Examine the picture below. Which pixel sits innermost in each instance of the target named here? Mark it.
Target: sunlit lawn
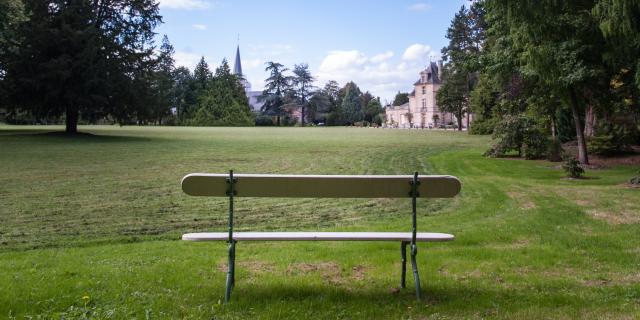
(99, 217)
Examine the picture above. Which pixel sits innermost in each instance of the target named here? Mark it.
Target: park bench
(321, 186)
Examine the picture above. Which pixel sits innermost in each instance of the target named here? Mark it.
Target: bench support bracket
(403, 254)
(231, 270)
(414, 248)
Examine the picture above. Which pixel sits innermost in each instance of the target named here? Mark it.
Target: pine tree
(351, 104)
(302, 85)
(84, 58)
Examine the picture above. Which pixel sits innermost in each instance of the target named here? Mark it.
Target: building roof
(237, 66)
(430, 75)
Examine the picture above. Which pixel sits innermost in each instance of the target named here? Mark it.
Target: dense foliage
(572, 68)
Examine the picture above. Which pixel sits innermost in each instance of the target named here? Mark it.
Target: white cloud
(199, 26)
(186, 59)
(340, 60)
(419, 7)
(252, 63)
(418, 51)
(185, 4)
(381, 74)
(382, 57)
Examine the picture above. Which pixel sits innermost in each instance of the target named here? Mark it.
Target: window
(424, 90)
(424, 104)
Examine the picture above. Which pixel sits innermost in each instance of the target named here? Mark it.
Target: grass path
(78, 216)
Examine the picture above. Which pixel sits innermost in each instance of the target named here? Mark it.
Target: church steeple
(237, 66)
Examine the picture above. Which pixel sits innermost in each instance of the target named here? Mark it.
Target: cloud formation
(379, 74)
(199, 26)
(418, 51)
(185, 4)
(186, 59)
(419, 7)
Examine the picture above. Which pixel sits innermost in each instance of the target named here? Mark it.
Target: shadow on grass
(79, 137)
(454, 295)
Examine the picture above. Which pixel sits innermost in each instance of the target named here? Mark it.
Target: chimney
(440, 70)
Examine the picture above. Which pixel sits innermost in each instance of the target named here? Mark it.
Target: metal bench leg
(403, 253)
(231, 271)
(414, 266)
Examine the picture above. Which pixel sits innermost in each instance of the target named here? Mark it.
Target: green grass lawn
(90, 228)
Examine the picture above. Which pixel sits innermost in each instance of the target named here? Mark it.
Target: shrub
(521, 134)
(483, 126)
(572, 167)
(263, 120)
(635, 180)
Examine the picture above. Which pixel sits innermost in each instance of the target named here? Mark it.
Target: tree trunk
(590, 121)
(468, 116)
(71, 122)
(302, 115)
(582, 145)
(459, 121)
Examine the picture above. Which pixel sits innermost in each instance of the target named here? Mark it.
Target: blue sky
(381, 45)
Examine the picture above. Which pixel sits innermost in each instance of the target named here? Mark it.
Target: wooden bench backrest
(320, 186)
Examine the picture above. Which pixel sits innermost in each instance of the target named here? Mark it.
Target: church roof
(237, 66)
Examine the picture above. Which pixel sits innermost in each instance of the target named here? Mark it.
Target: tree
(224, 103)
(276, 86)
(202, 75)
(303, 86)
(84, 58)
(164, 81)
(11, 16)
(373, 109)
(401, 98)
(351, 104)
(558, 43)
(452, 95)
(184, 93)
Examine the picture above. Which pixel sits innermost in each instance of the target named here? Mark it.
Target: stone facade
(422, 110)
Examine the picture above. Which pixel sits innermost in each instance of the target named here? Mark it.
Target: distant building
(422, 110)
(253, 96)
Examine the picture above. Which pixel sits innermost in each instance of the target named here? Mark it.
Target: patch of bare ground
(329, 271)
(615, 217)
(524, 201)
(251, 266)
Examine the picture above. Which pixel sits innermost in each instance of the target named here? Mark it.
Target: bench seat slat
(318, 236)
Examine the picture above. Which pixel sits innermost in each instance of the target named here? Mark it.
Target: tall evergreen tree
(452, 95)
(202, 74)
(88, 58)
(303, 86)
(164, 81)
(351, 107)
(224, 103)
(277, 85)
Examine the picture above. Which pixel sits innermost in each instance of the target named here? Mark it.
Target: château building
(422, 110)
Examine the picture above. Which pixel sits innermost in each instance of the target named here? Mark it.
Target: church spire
(237, 66)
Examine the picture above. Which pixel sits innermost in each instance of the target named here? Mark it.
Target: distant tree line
(329, 105)
(84, 61)
(536, 74)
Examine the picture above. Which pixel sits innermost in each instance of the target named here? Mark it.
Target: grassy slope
(529, 244)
